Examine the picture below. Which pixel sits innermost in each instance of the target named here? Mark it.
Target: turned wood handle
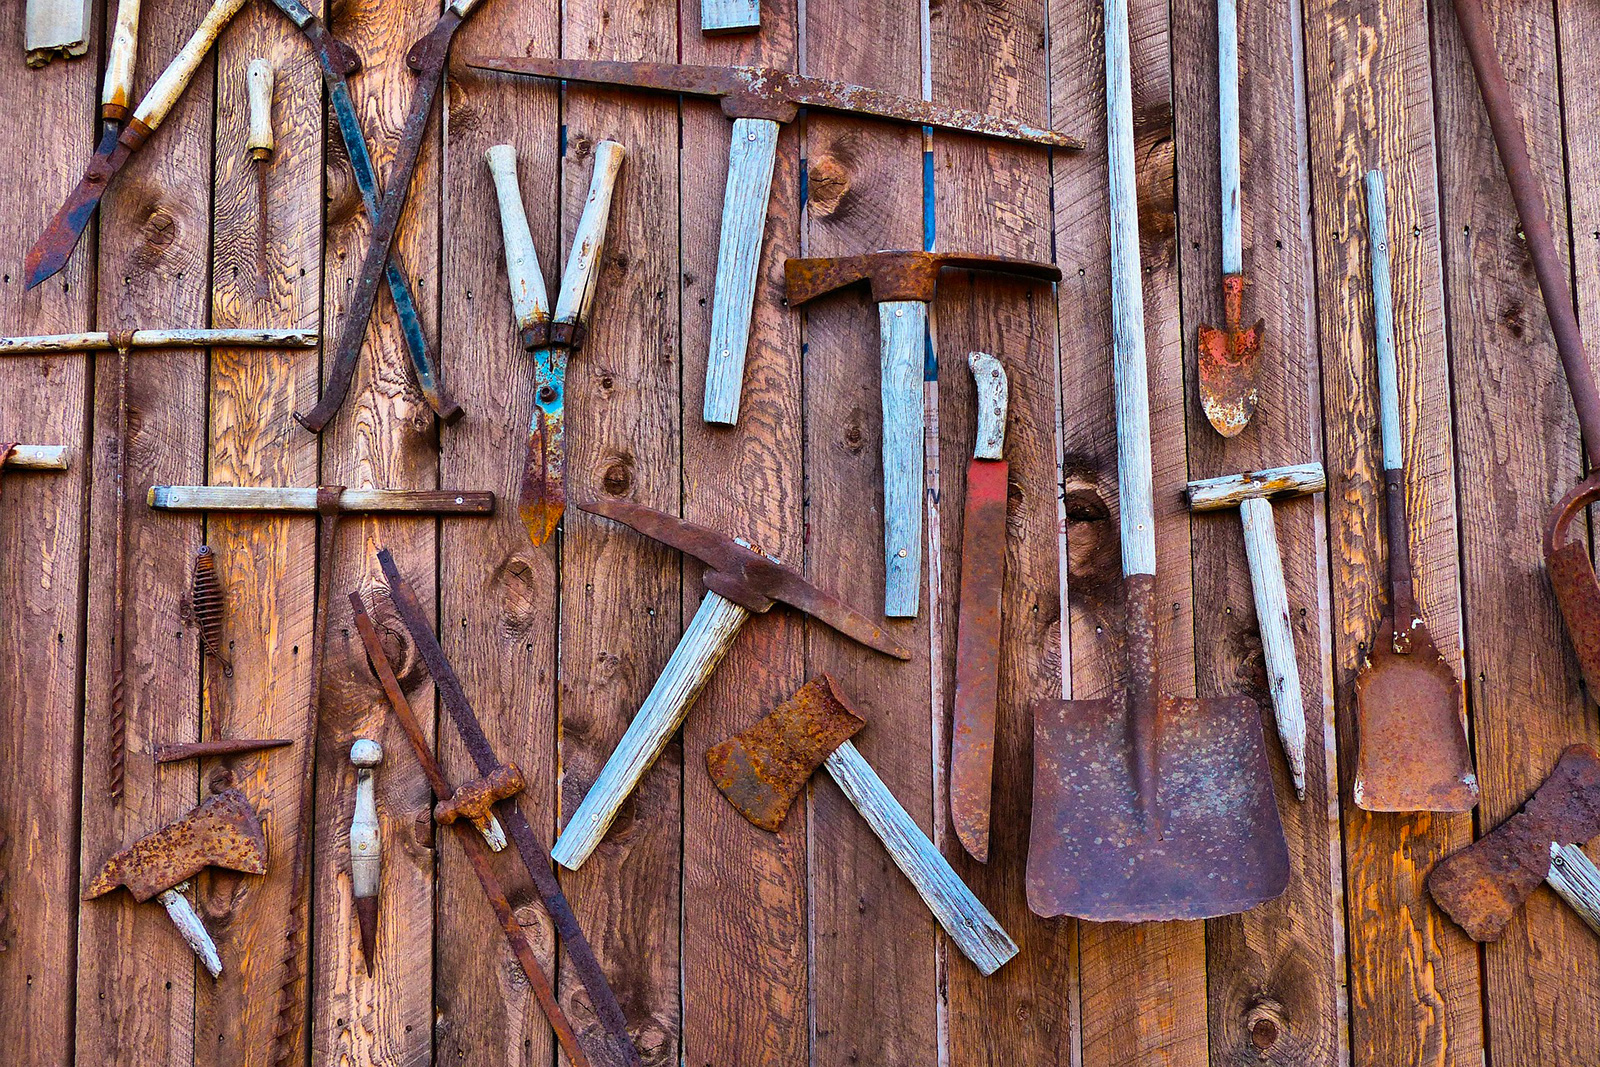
(1574, 876)
(175, 79)
(118, 94)
(366, 846)
(530, 301)
(702, 647)
(970, 925)
(579, 280)
(258, 82)
(989, 379)
(902, 328)
(1228, 113)
(1383, 323)
(751, 154)
(1277, 635)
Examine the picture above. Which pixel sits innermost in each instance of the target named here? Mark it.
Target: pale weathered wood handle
(751, 155)
(1383, 322)
(1228, 106)
(118, 92)
(160, 98)
(39, 458)
(258, 83)
(1213, 494)
(970, 925)
(902, 328)
(701, 648)
(190, 927)
(530, 301)
(1277, 636)
(989, 380)
(366, 844)
(729, 16)
(582, 276)
(304, 499)
(1574, 876)
(463, 7)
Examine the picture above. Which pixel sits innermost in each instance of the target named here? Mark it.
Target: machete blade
(983, 555)
(542, 496)
(54, 246)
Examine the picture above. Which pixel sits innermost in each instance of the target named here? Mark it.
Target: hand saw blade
(542, 497)
(54, 246)
(983, 555)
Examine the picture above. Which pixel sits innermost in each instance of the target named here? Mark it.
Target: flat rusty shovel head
(1221, 849)
(222, 832)
(1573, 579)
(1482, 886)
(1230, 360)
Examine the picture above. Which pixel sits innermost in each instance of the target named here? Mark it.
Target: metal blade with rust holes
(54, 246)
(1230, 360)
(983, 556)
(542, 496)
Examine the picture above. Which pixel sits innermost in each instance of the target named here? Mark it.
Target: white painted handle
(976, 932)
(1383, 322)
(1211, 494)
(190, 927)
(1575, 878)
(494, 834)
(1277, 636)
(1137, 501)
(582, 275)
(902, 329)
(702, 647)
(1228, 105)
(175, 79)
(118, 90)
(751, 155)
(366, 845)
(729, 16)
(989, 379)
(39, 458)
(530, 301)
(258, 83)
(304, 498)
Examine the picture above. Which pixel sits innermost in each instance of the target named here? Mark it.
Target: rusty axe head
(897, 275)
(224, 831)
(1482, 886)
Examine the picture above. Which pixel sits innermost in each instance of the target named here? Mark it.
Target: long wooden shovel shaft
(1228, 127)
(1277, 635)
(902, 328)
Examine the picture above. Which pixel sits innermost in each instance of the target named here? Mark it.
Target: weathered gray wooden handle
(530, 300)
(1277, 636)
(118, 92)
(1213, 494)
(989, 381)
(729, 16)
(702, 647)
(579, 280)
(1383, 322)
(366, 845)
(1574, 876)
(970, 925)
(902, 332)
(304, 499)
(160, 98)
(751, 154)
(190, 927)
(1228, 113)
(39, 458)
(258, 83)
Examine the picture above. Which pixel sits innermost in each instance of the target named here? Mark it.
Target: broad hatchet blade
(740, 581)
(224, 831)
(764, 768)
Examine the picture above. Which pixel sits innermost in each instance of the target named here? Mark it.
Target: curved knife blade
(54, 246)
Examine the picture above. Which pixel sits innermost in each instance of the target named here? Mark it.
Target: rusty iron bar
(175, 751)
(117, 771)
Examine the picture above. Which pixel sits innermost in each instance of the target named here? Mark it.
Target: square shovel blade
(1218, 847)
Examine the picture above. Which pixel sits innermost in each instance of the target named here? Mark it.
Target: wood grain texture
(136, 1000)
(1368, 97)
(1576, 880)
(1514, 416)
(902, 339)
(745, 927)
(58, 28)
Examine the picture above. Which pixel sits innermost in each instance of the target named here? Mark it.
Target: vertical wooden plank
(872, 938)
(1514, 416)
(1276, 991)
(620, 608)
(1369, 96)
(1581, 128)
(993, 60)
(384, 436)
(265, 562)
(497, 591)
(136, 982)
(744, 930)
(42, 532)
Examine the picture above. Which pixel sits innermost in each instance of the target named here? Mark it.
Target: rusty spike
(1230, 360)
(224, 831)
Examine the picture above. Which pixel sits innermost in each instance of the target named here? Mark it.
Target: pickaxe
(903, 285)
(739, 580)
(1482, 886)
(759, 100)
(224, 831)
(764, 768)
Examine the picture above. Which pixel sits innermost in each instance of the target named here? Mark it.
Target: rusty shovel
(1410, 704)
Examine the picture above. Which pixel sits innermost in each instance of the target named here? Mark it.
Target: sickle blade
(542, 496)
(54, 246)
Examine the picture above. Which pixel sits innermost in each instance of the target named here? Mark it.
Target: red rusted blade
(542, 496)
(1230, 363)
(1572, 577)
(983, 557)
(1221, 849)
(54, 246)
(1413, 744)
(222, 832)
(367, 918)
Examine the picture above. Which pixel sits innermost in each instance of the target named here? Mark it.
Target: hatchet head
(1482, 886)
(743, 574)
(764, 768)
(897, 275)
(224, 831)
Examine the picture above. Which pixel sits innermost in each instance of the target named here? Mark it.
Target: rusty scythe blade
(1230, 361)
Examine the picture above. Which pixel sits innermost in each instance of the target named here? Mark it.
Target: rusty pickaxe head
(1482, 886)
(897, 275)
(1229, 363)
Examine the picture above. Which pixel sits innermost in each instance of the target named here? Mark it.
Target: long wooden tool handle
(1228, 115)
(579, 280)
(530, 300)
(258, 83)
(118, 93)
(175, 79)
(751, 155)
(970, 925)
(1574, 876)
(702, 647)
(1277, 636)
(902, 330)
(39, 458)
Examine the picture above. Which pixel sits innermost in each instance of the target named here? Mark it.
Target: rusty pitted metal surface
(983, 559)
(1230, 360)
(54, 246)
(1573, 579)
(766, 93)
(1482, 886)
(764, 768)
(897, 275)
(476, 799)
(174, 752)
(224, 831)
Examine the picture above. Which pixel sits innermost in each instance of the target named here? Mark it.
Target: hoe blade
(1220, 848)
(1572, 577)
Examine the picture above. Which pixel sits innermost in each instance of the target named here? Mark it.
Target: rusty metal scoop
(1146, 806)
(1414, 753)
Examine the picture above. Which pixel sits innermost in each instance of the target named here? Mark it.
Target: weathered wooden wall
(727, 945)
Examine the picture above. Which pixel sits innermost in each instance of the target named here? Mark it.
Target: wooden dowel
(100, 341)
(1214, 494)
(39, 458)
(304, 498)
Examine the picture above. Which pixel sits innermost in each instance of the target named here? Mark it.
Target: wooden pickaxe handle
(902, 332)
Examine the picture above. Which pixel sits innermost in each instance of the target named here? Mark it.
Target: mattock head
(224, 831)
(898, 275)
(742, 574)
